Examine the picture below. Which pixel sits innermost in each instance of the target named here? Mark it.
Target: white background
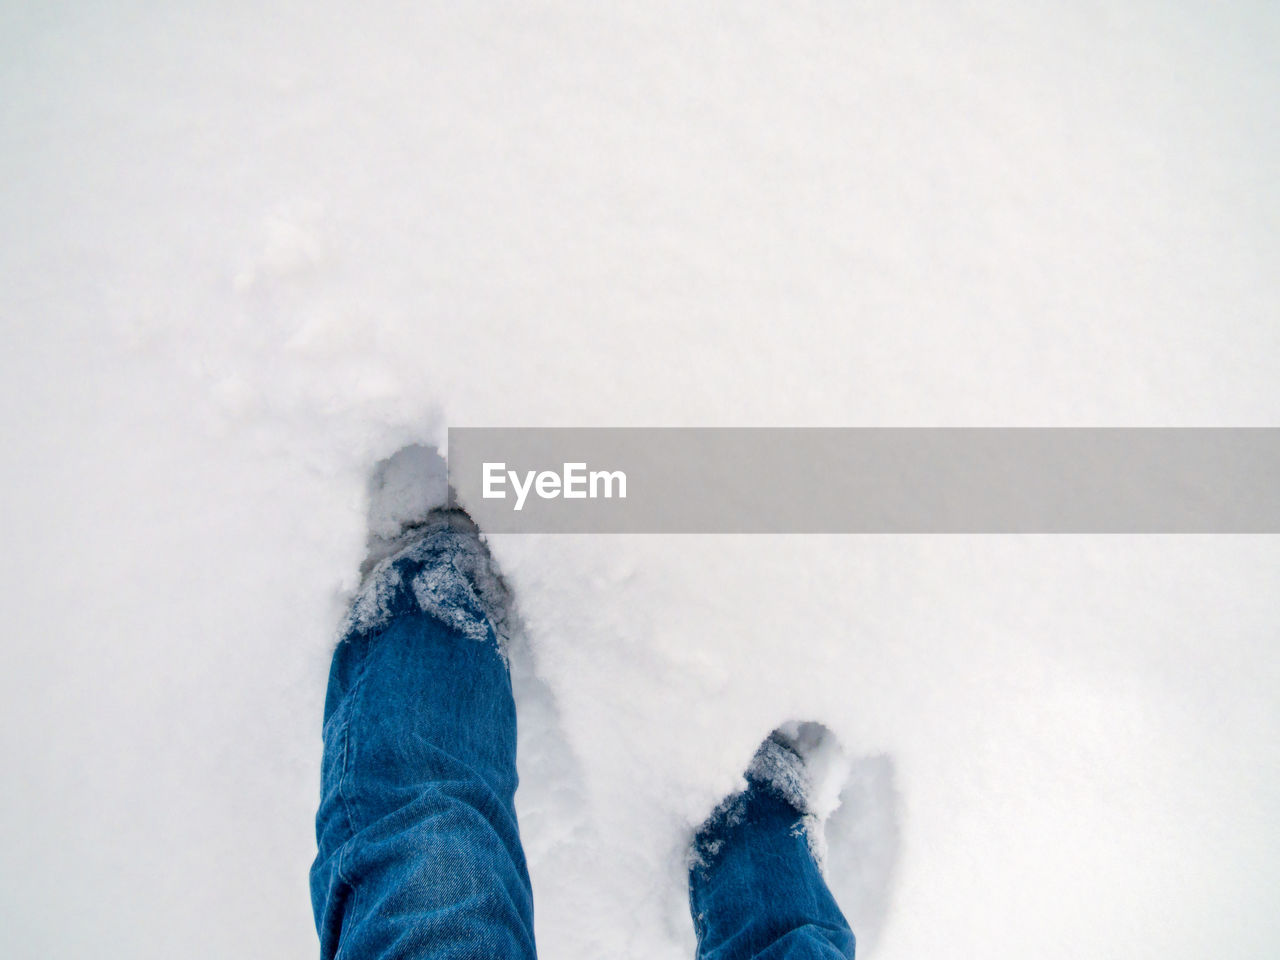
(248, 249)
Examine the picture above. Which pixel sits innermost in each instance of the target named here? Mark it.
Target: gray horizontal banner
(868, 480)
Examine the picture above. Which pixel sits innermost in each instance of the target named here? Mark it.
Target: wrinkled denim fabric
(419, 852)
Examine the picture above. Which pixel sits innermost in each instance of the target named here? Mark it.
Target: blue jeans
(419, 853)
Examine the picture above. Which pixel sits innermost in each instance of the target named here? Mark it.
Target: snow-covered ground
(248, 249)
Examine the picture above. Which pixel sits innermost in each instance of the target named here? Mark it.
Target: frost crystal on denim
(372, 604)
(450, 577)
(780, 767)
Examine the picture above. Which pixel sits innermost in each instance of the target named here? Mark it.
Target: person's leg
(419, 854)
(755, 889)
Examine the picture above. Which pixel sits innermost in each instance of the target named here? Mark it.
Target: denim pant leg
(419, 852)
(756, 892)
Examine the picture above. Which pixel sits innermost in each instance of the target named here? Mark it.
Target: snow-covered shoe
(755, 880)
(404, 491)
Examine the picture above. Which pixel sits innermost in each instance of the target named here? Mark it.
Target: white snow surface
(249, 249)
